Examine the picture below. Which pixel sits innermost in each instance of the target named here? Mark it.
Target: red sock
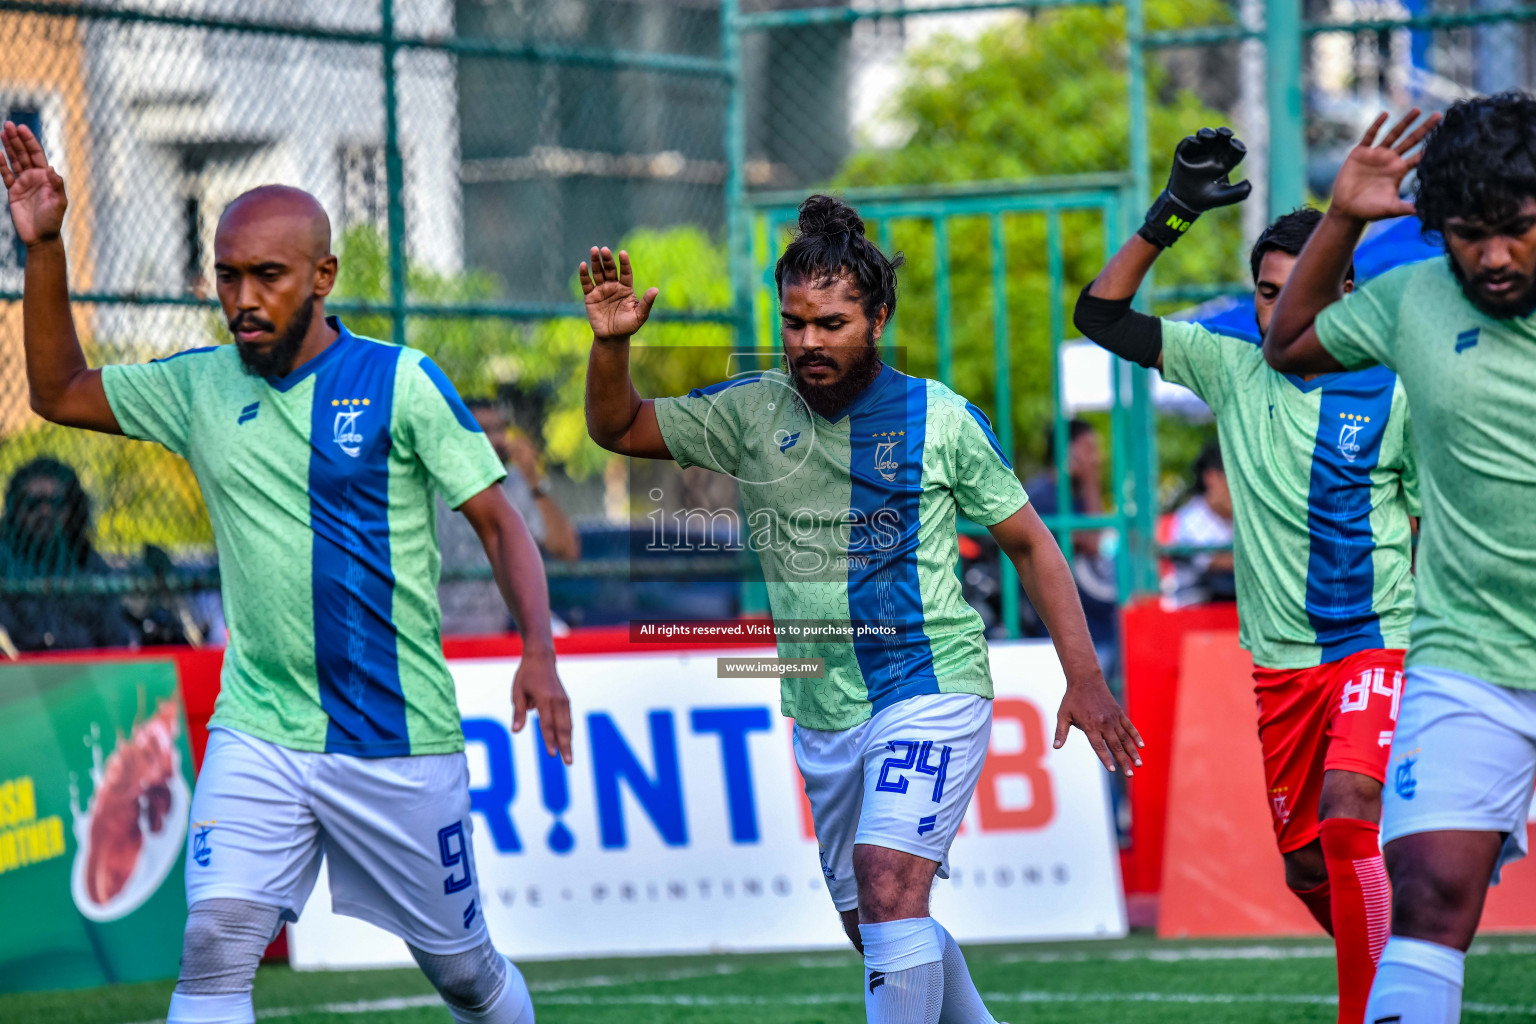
(1319, 903)
(1362, 908)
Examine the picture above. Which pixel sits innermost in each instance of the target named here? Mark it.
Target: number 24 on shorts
(916, 759)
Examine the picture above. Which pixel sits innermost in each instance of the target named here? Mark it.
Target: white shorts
(394, 830)
(902, 780)
(1463, 757)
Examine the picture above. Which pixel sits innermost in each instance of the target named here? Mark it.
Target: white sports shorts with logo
(1463, 757)
(394, 830)
(902, 780)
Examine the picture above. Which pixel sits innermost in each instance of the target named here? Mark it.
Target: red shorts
(1337, 716)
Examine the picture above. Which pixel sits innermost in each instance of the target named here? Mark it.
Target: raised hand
(35, 190)
(1201, 166)
(613, 309)
(1367, 185)
(1199, 181)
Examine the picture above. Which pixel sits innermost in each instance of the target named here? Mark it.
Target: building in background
(45, 92)
(559, 155)
(183, 120)
(157, 127)
(1350, 77)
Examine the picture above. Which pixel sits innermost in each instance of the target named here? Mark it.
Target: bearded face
(829, 342)
(273, 358)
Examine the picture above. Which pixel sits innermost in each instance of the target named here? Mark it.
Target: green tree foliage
(1034, 96)
(140, 493)
(466, 348)
(666, 359)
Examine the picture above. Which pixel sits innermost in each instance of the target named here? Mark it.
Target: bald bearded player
(336, 732)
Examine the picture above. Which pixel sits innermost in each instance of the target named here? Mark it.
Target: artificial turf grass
(826, 987)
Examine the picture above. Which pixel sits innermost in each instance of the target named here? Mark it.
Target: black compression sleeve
(1114, 325)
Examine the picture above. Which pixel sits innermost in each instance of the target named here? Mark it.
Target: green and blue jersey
(1323, 481)
(319, 487)
(854, 521)
(1472, 381)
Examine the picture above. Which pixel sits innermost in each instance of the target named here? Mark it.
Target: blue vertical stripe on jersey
(887, 427)
(1341, 577)
(353, 584)
(450, 395)
(986, 428)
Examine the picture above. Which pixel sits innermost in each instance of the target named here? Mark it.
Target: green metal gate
(929, 218)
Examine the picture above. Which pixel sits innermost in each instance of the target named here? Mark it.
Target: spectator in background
(1205, 520)
(45, 535)
(475, 606)
(1091, 567)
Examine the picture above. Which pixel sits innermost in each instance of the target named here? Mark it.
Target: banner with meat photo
(95, 786)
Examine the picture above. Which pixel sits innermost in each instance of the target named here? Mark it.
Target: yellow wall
(44, 59)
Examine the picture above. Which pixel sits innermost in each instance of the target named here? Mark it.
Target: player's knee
(851, 929)
(467, 981)
(1305, 868)
(1350, 795)
(892, 884)
(222, 945)
(1433, 903)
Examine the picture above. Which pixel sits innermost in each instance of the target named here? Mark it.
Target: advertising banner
(682, 827)
(95, 787)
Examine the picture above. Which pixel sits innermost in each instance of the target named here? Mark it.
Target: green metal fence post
(737, 226)
(1136, 88)
(944, 328)
(738, 232)
(1008, 577)
(1287, 135)
(394, 175)
(1121, 465)
(1143, 421)
(888, 336)
(1061, 436)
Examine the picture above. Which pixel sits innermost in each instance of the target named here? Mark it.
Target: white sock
(513, 1006)
(222, 1008)
(1417, 982)
(962, 1003)
(903, 971)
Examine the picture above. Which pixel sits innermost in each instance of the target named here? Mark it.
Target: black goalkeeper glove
(1198, 182)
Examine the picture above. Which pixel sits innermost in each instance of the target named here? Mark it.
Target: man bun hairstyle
(830, 244)
(1480, 162)
(1288, 234)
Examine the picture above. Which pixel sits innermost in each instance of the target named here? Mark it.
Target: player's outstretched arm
(63, 388)
(1048, 581)
(1365, 190)
(519, 571)
(618, 419)
(1199, 181)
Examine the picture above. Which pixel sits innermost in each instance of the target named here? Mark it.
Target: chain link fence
(469, 151)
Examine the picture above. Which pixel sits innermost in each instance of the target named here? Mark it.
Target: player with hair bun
(880, 463)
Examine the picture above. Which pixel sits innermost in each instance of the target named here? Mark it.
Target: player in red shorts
(1324, 486)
